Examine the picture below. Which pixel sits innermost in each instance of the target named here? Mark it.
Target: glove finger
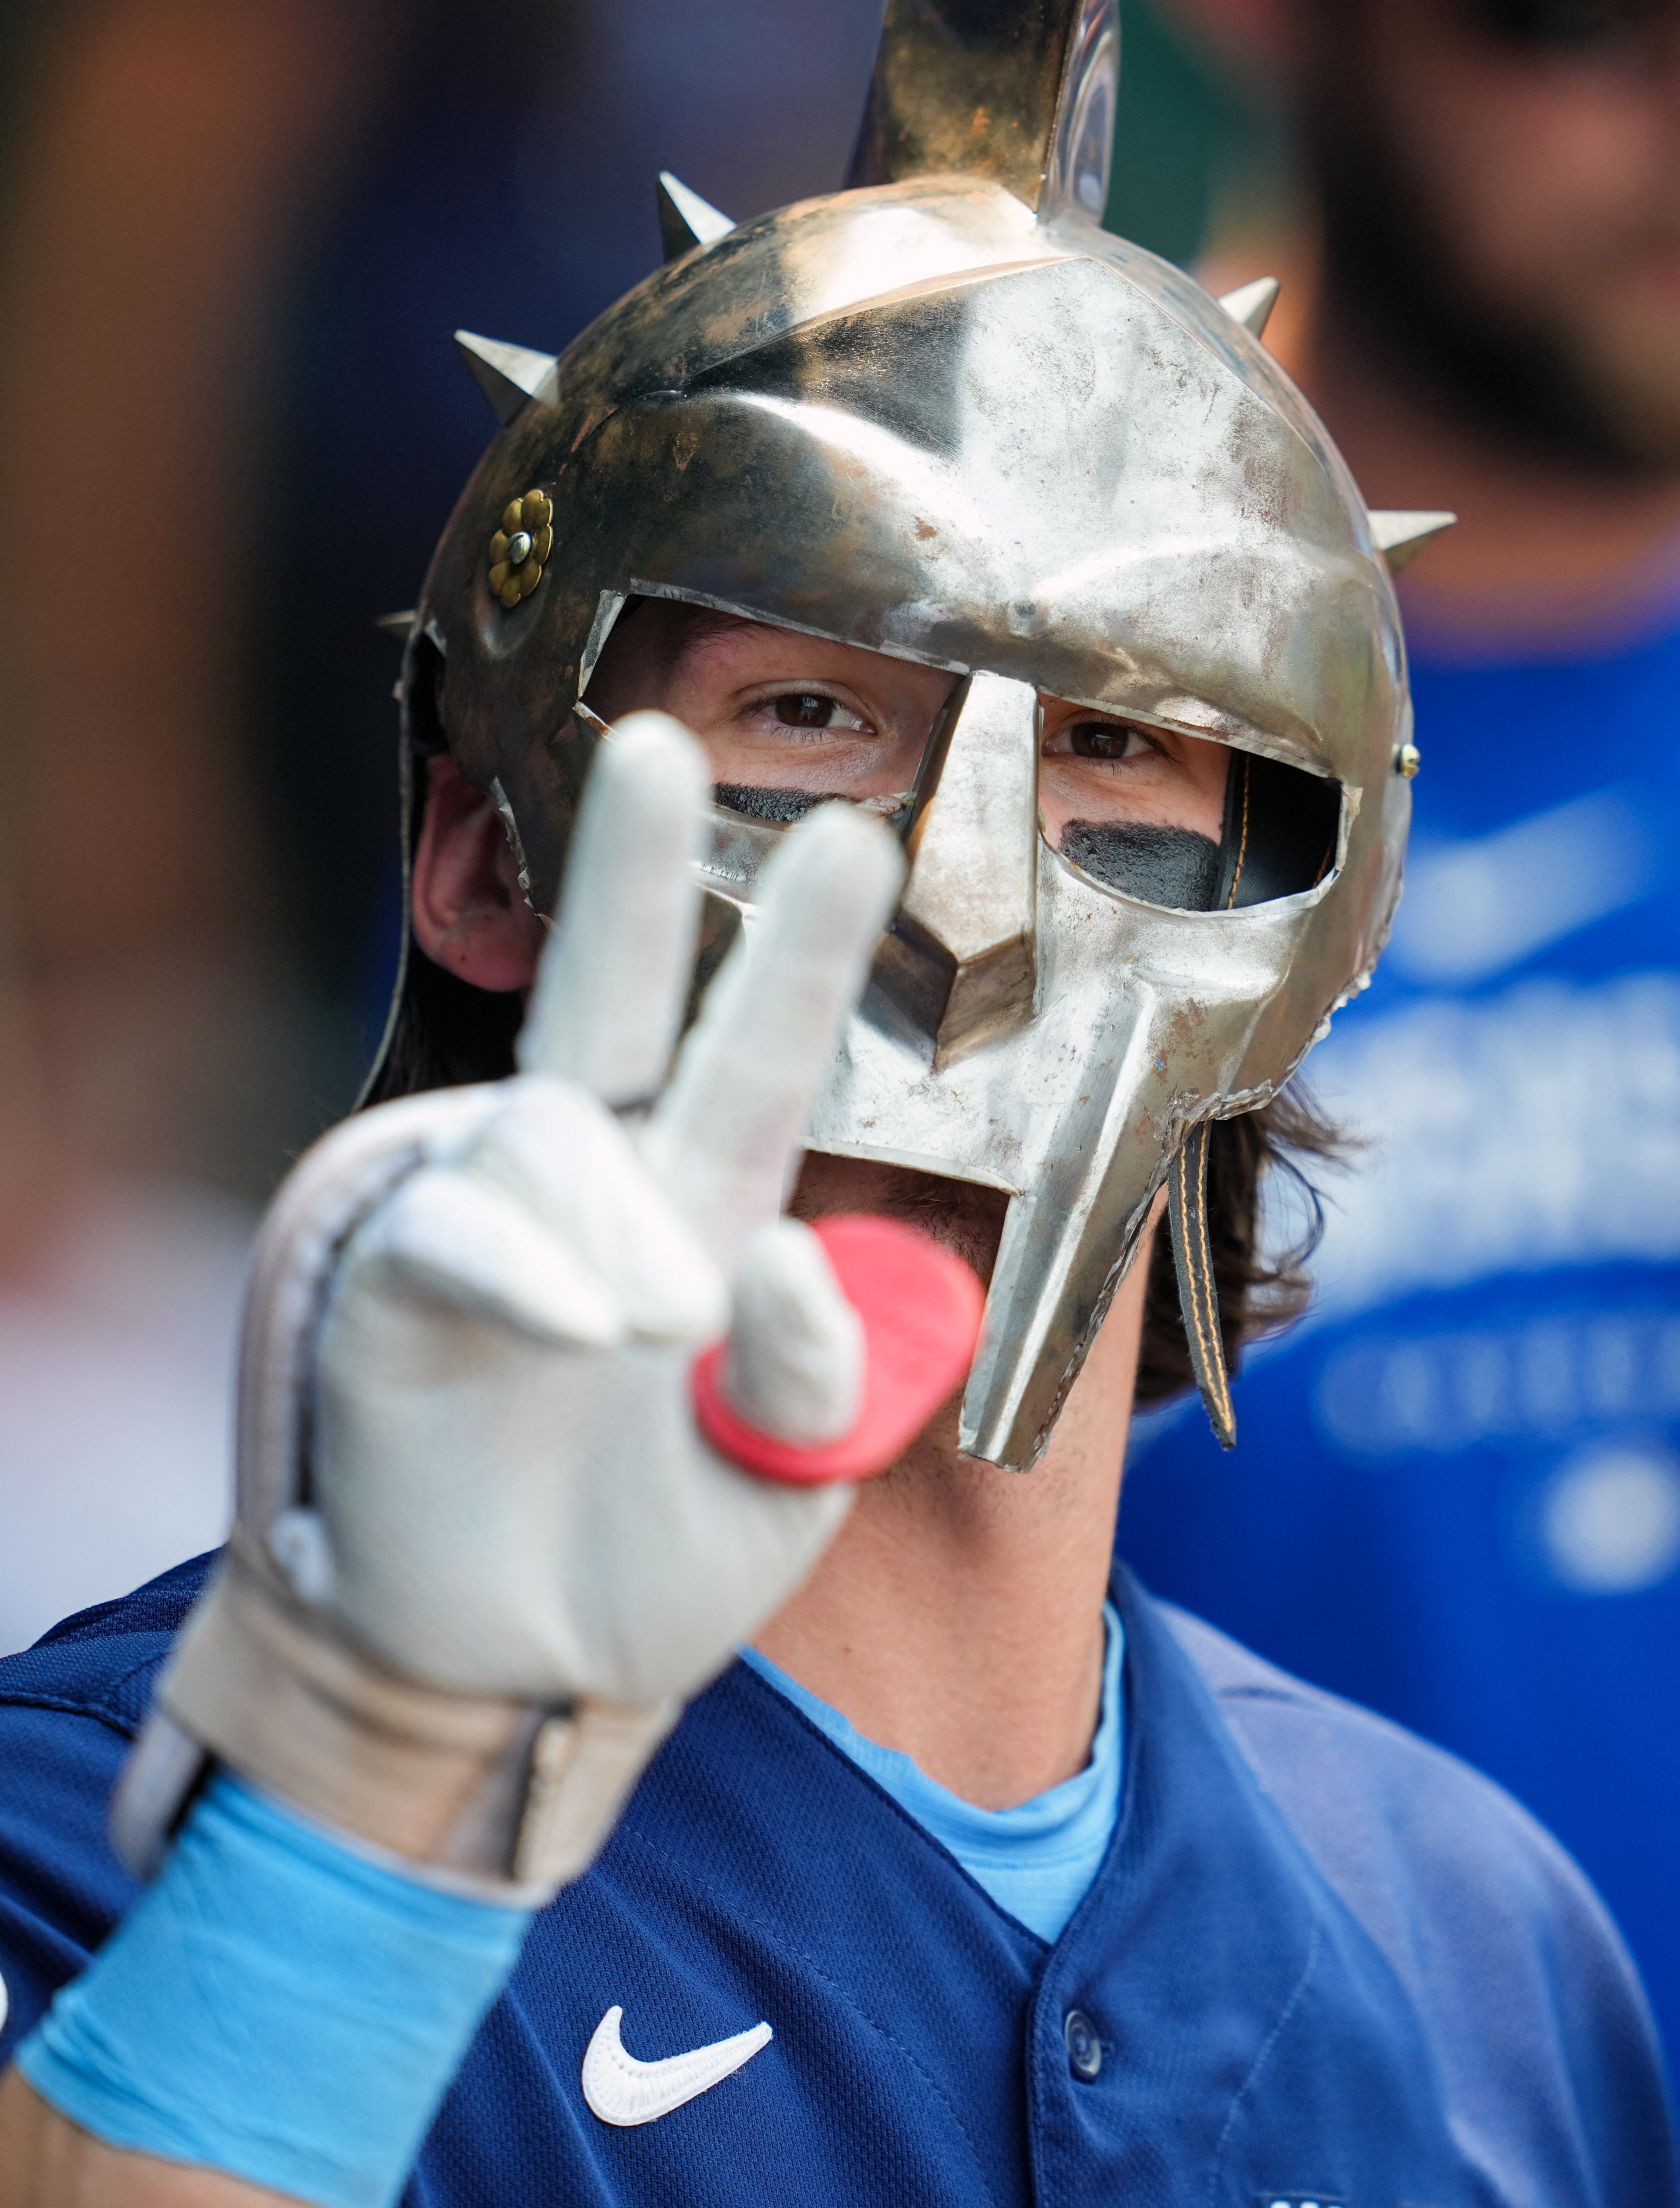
(725, 1137)
(565, 1156)
(608, 1005)
(795, 1364)
(453, 1236)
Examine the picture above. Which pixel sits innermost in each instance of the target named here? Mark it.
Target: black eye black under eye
(1101, 740)
(803, 709)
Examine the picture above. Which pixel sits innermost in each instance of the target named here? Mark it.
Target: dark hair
(443, 1032)
(446, 1032)
(1259, 1292)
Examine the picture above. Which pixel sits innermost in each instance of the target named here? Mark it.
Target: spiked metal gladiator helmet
(942, 414)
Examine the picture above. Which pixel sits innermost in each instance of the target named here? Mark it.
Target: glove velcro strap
(485, 1791)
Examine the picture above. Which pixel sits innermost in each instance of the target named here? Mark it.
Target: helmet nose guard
(960, 962)
(943, 416)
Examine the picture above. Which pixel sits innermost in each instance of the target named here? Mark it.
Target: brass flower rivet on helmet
(1407, 760)
(520, 547)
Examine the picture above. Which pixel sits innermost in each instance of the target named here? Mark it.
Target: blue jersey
(1455, 1493)
(1321, 1962)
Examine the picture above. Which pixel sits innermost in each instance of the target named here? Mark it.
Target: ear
(469, 911)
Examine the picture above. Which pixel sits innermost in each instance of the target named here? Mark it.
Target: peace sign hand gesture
(478, 1513)
(514, 1492)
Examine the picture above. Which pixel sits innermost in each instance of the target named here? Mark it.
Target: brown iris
(1104, 739)
(804, 709)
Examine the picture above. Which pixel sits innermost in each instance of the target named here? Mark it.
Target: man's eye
(1107, 739)
(809, 709)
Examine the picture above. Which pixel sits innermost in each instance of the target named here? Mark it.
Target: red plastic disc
(922, 1308)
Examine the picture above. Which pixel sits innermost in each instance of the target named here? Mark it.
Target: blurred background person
(1457, 1492)
(162, 160)
(233, 245)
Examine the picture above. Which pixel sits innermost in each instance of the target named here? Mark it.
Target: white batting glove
(514, 1496)
(483, 1553)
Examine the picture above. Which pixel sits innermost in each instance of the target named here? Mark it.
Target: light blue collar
(1037, 1860)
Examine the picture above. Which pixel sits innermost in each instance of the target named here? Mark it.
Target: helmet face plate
(916, 418)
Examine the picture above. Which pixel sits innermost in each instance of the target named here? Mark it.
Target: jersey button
(1084, 2049)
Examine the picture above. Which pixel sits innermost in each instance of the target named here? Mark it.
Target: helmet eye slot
(788, 719)
(1280, 828)
(1278, 839)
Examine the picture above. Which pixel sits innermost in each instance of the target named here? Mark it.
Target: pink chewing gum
(921, 1309)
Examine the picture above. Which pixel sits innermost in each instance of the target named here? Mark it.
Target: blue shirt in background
(1456, 1494)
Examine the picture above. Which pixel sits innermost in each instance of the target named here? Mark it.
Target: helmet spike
(1400, 536)
(1251, 304)
(508, 374)
(686, 221)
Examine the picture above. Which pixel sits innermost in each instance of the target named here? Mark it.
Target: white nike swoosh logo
(622, 2090)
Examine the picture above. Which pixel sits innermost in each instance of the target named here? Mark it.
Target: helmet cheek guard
(942, 415)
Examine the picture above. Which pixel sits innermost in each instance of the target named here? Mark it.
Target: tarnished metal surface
(922, 418)
(967, 87)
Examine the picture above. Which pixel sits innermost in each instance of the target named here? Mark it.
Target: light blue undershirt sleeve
(276, 2006)
(1037, 1861)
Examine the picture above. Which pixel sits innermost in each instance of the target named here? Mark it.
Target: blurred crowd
(233, 244)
